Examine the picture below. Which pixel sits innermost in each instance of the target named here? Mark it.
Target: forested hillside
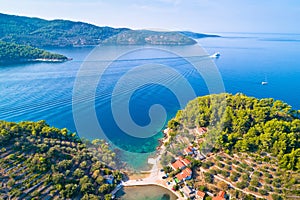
(42, 162)
(61, 33)
(42, 33)
(14, 53)
(247, 125)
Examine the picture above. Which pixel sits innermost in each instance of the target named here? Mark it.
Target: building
(201, 130)
(200, 195)
(220, 196)
(186, 162)
(178, 164)
(189, 150)
(188, 192)
(184, 175)
(109, 179)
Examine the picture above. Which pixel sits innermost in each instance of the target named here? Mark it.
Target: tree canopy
(247, 124)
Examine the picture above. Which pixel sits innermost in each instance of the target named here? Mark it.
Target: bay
(44, 91)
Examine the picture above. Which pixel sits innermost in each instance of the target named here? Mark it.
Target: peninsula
(11, 53)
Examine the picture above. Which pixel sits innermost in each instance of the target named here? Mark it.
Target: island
(11, 53)
(146, 37)
(42, 33)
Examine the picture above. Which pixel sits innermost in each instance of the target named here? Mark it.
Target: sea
(126, 95)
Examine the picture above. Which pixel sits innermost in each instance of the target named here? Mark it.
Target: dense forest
(42, 33)
(14, 53)
(39, 161)
(61, 33)
(143, 37)
(246, 124)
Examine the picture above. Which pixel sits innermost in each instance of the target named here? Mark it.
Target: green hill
(11, 53)
(60, 33)
(43, 33)
(143, 37)
(247, 125)
(42, 162)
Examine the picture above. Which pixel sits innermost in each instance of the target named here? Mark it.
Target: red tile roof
(221, 194)
(178, 164)
(186, 161)
(188, 150)
(179, 177)
(184, 174)
(200, 194)
(218, 198)
(202, 130)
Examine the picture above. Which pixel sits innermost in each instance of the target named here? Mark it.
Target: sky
(209, 16)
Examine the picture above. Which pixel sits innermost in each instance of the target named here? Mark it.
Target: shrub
(268, 181)
(268, 188)
(220, 165)
(254, 182)
(202, 188)
(242, 184)
(266, 174)
(263, 192)
(225, 173)
(276, 197)
(253, 189)
(239, 169)
(228, 167)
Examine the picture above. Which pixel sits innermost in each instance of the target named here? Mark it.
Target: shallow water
(150, 192)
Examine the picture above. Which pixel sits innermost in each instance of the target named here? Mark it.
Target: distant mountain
(143, 37)
(61, 33)
(196, 35)
(43, 33)
(11, 53)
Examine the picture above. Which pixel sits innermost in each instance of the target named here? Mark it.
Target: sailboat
(265, 82)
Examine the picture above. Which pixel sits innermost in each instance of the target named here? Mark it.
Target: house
(189, 150)
(200, 195)
(184, 175)
(178, 164)
(109, 179)
(220, 196)
(186, 162)
(187, 192)
(201, 130)
(200, 155)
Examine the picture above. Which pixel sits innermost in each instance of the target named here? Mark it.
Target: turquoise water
(44, 91)
(150, 192)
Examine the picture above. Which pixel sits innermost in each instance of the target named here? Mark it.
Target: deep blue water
(44, 91)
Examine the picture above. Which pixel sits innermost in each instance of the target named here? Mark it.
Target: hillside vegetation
(247, 125)
(61, 33)
(14, 53)
(42, 33)
(42, 162)
(143, 37)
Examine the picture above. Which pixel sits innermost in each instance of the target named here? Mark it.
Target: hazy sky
(277, 16)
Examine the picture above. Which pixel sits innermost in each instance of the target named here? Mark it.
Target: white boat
(265, 82)
(215, 55)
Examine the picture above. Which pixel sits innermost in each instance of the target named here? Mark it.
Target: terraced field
(42, 162)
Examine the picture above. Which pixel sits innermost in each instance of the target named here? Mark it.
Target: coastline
(37, 60)
(155, 175)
